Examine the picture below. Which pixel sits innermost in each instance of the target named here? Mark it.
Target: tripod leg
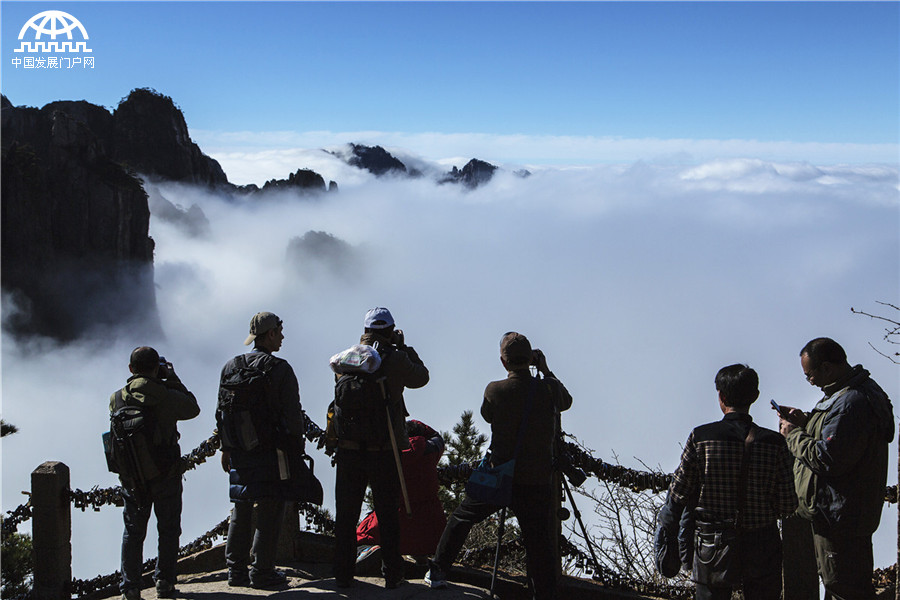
(577, 514)
(497, 554)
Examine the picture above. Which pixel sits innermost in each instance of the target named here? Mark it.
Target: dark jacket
(255, 473)
(842, 456)
(171, 401)
(503, 407)
(404, 369)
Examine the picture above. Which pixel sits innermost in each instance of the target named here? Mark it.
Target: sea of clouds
(639, 281)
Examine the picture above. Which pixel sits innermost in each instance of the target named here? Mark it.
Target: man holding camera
(258, 474)
(360, 465)
(840, 474)
(154, 384)
(735, 477)
(506, 408)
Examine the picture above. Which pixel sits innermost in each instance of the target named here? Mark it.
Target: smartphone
(775, 406)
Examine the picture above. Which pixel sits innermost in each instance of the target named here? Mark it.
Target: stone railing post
(289, 538)
(51, 532)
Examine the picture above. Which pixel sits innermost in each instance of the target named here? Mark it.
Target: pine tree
(463, 447)
(15, 551)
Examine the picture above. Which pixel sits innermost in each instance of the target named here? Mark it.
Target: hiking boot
(393, 584)
(265, 580)
(435, 578)
(165, 589)
(132, 594)
(238, 578)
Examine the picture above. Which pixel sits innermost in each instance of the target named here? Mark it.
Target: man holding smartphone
(840, 474)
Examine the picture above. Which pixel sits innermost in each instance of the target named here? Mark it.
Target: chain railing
(317, 519)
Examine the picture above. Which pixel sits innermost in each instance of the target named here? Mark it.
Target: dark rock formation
(303, 180)
(151, 137)
(376, 160)
(475, 173)
(316, 254)
(76, 256)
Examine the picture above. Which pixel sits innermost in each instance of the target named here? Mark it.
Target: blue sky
(769, 71)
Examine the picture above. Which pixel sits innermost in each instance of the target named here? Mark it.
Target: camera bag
(493, 484)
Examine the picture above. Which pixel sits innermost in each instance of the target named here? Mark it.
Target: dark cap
(515, 349)
(262, 323)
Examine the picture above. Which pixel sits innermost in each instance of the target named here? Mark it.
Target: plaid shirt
(710, 469)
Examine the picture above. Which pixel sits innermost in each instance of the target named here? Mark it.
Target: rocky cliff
(149, 135)
(76, 256)
(475, 173)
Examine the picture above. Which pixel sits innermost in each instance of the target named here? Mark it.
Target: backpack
(243, 416)
(359, 414)
(132, 445)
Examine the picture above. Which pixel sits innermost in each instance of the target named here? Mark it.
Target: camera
(565, 465)
(163, 371)
(536, 356)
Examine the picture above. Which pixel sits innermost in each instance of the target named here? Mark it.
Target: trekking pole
(387, 410)
(497, 554)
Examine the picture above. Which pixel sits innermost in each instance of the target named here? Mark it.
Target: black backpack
(133, 444)
(360, 401)
(243, 414)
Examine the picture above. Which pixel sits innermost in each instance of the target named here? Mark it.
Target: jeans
(532, 505)
(163, 496)
(269, 512)
(357, 469)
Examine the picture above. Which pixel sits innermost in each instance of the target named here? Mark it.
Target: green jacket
(842, 457)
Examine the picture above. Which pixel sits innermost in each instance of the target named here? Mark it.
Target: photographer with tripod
(522, 412)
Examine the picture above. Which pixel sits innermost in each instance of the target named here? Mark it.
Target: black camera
(163, 371)
(567, 467)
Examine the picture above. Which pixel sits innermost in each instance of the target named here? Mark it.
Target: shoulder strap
(528, 407)
(745, 470)
(120, 400)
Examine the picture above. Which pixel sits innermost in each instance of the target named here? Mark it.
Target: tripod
(577, 514)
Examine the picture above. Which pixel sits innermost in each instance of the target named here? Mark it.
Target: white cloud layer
(638, 280)
(274, 154)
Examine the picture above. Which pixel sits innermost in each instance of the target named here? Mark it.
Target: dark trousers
(238, 550)
(760, 560)
(532, 505)
(163, 497)
(846, 565)
(357, 469)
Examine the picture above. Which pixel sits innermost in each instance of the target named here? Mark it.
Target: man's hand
(785, 427)
(540, 361)
(794, 416)
(226, 461)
